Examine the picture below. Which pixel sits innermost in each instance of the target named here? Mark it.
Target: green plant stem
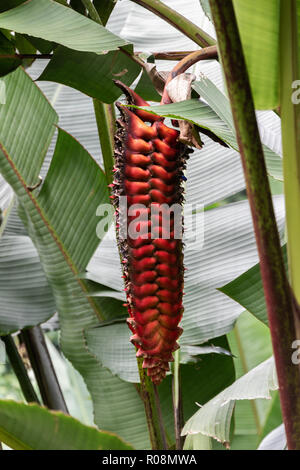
(92, 11)
(177, 401)
(290, 124)
(19, 369)
(149, 395)
(276, 287)
(43, 369)
(105, 118)
(179, 22)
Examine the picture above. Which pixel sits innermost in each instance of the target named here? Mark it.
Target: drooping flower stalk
(149, 163)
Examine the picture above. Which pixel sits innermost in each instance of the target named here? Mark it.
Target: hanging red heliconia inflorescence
(149, 163)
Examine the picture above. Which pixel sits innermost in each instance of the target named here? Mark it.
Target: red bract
(149, 163)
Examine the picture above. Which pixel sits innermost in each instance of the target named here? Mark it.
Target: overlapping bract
(148, 171)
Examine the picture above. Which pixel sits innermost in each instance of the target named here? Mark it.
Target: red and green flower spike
(149, 161)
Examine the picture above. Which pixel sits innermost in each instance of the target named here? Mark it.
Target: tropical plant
(63, 66)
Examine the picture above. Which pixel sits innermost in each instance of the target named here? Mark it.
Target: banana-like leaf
(62, 222)
(199, 113)
(7, 48)
(94, 73)
(247, 290)
(276, 440)
(25, 296)
(111, 345)
(213, 419)
(258, 24)
(197, 442)
(32, 427)
(49, 20)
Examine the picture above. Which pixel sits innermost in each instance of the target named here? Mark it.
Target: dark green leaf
(94, 73)
(104, 9)
(8, 4)
(78, 6)
(7, 64)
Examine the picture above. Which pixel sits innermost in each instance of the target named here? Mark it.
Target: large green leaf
(25, 296)
(213, 419)
(247, 290)
(49, 20)
(215, 120)
(62, 222)
(94, 73)
(31, 427)
(258, 24)
(19, 136)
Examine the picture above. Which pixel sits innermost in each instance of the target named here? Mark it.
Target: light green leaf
(49, 20)
(213, 419)
(247, 290)
(250, 344)
(197, 442)
(19, 136)
(2, 92)
(258, 24)
(62, 222)
(199, 113)
(111, 345)
(25, 296)
(31, 427)
(94, 73)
